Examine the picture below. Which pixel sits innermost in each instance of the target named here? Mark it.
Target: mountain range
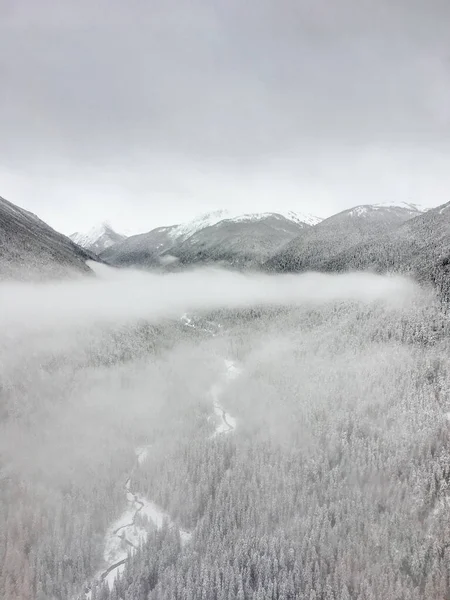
(240, 241)
(378, 237)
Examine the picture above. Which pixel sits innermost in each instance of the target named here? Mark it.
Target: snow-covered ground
(124, 536)
(184, 230)
(205, 326)
(102, 236)
(187, 321)
(295, 217)
(365, 209)
(227, 423)
(142, 453)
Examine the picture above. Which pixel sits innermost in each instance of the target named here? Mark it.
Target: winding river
(125, 535)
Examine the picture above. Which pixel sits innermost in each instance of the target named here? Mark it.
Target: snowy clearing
(124, 536)
(142, 453)
(227, 422)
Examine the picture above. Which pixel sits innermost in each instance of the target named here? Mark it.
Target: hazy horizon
(155, 112)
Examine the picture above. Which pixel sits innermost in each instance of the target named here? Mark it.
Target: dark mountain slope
(247, 241)
(336, 234)
(143, 250)
(420, 247)
(241, 242)
(30, 249)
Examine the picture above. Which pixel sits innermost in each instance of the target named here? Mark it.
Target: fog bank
(127, 296)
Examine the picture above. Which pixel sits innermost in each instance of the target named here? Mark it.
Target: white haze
(76, 342)
(340, 408)
(126, 296)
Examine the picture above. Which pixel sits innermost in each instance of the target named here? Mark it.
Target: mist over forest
(224, 300)
(255, 436)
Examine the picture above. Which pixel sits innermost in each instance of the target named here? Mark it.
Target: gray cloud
(246, 94)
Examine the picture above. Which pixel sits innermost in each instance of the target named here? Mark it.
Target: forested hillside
(141, 250)
(420, 247)
(313, 248)
(245, 242)
(31, 250)
(332, 483)
(337, 491)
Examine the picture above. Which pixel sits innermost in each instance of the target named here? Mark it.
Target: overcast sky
(148, 112)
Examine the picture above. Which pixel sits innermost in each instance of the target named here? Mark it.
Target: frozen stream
(125, 535)
(227, 422)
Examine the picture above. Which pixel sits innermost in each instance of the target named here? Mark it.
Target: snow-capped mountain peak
(298, 217)
(98, 238)
(409, 205)
(185, 230)
(365, 209)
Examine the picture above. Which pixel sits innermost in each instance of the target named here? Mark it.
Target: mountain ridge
(338, 233)
(158, 246)
(31, 249)
(420, 247)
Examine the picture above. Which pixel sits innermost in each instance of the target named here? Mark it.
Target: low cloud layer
(128, 296)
